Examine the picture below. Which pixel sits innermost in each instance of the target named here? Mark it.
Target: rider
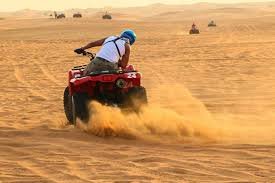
(194, 26)
(114, 53)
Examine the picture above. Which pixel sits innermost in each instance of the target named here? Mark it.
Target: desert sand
(211, 99)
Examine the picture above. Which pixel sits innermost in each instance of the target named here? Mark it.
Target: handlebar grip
(79, 51)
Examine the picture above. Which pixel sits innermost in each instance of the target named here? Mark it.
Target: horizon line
(141, 6)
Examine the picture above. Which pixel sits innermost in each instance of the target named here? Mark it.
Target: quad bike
(121, 88)
(194, 29)
(77, 15)
(212, 24)
(107, 16)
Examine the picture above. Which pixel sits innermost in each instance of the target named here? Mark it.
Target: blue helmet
(129, 34)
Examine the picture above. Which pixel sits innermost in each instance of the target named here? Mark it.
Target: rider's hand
(79, 50)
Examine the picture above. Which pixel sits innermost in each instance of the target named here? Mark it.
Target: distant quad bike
(212, 24)
(77, 15)
(121, 88)
(107, 16)
(194, 29)
(59, 16)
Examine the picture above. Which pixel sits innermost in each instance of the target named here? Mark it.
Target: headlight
(121, 83)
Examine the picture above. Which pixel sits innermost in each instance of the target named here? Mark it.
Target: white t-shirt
(109, 51)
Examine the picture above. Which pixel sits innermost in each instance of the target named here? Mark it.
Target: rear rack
(81, 67)
(110, 72)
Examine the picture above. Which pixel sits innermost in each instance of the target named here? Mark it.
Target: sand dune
(212, 99)
(135, 13)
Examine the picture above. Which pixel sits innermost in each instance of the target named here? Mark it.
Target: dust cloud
(175, 115)
(186, 120)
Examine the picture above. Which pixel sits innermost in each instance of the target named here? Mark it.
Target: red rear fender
(87, 84)
(74, 74)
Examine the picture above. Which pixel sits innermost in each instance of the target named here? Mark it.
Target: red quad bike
(121, 88)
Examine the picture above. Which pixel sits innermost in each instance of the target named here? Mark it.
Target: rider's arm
(94, 44)
(125, 59)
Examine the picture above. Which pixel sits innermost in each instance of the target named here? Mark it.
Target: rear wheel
(81, 106)
(75, 107)
(136, 98)
(69, 106)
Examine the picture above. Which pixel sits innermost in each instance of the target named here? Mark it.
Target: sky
(14, 5)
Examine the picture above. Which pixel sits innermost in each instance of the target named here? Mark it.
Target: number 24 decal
(132, 75)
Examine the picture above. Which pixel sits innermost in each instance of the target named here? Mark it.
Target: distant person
(114, 53)
(194, 26)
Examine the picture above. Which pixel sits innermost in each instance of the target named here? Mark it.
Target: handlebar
(85, 53)
(88, 54)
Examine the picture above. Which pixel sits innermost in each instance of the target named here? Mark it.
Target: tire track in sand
(57, 175)
(20, 78)
(46, 72)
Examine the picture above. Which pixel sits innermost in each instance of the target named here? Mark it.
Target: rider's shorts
(99, 64)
